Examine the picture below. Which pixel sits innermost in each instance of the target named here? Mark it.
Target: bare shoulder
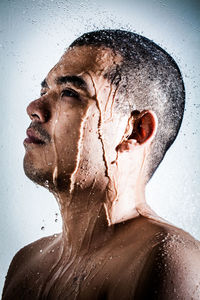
(25, 258)
(172, 269)
(29, 251)
(154, 233)
(168, 234)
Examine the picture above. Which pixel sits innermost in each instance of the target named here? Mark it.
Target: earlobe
(127, 146)
(144, 127)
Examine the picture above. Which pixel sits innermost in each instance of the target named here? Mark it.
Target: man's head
(103, 94)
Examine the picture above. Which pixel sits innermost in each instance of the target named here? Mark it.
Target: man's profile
(108, 112)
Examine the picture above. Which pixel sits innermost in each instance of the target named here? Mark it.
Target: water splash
(78, 157)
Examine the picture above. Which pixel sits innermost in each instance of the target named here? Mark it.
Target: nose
(38, 110)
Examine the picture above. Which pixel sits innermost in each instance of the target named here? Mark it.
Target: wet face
(72, 122)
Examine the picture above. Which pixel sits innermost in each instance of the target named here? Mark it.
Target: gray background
(33, 35)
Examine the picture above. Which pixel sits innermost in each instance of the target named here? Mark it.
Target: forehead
(80, 60)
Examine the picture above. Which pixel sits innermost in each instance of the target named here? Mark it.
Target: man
(108, 112)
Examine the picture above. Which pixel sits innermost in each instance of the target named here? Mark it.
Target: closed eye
(69, 93)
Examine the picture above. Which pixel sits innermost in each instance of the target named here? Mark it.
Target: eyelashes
(66, 93)
(70, 93)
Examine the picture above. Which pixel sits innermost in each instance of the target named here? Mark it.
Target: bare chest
(104, 275)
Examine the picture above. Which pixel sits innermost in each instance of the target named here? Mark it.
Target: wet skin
(145, 260)
(71, 148)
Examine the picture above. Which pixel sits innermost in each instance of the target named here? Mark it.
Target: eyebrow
(77, 81)
(44, 84)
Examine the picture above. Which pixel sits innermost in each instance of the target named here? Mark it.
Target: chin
(45, 177)
(37, 175)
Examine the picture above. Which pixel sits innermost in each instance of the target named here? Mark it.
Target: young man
(108, 112)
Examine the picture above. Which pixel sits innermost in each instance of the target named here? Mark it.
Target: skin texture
(113, 246)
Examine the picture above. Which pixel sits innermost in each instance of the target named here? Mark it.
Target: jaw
(35, 172)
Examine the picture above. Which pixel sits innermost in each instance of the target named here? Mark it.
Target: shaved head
(147, 78)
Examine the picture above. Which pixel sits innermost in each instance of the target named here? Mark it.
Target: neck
(125, 206)
(85, 224)
(88, 218)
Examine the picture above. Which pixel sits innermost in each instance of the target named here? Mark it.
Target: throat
(85, 224)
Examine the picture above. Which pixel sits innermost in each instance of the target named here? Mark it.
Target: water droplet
(41, 250)
(46, 183)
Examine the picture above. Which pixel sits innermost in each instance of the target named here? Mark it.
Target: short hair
(147, 78)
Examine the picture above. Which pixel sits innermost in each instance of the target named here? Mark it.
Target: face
(72, 126)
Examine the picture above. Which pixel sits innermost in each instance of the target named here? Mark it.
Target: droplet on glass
(46, 183)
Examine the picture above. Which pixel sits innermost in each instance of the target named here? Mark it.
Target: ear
(144, 127)
(141, 129)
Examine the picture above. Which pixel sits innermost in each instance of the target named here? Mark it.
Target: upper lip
(34, 136)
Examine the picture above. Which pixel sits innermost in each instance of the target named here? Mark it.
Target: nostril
(39, 110)
(35, 116)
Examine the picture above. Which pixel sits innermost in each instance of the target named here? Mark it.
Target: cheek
(66, 138)
(113, 133)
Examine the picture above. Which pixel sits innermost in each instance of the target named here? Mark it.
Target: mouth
(33, 138)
